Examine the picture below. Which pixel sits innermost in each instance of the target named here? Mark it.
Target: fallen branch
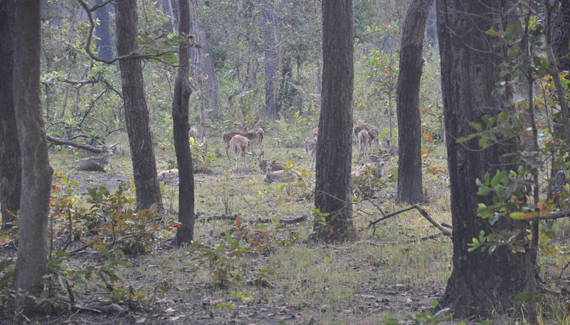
(259, 220)
(68, 142)
(422, 211)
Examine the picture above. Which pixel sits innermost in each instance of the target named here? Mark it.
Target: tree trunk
(561, 35)
(268, 31)
(31, 265)
(211, 89)
(136, 112)
(410, 183)
(103, 33)
(180, 105)
(10, 159)
(480, 283)
(199, 76)
(333, 192)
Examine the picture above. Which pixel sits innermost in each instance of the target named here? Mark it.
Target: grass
(360, 282)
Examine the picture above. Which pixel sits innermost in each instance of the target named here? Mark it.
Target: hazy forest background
(457, 213)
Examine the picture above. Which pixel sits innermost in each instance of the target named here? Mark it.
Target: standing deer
(97, 164)
(311, 149)
(263, 163)
(240, 145)
(280, 175)
(364, 142)
(315, 132)
(253, 135)
(372, 131)
(193, 133)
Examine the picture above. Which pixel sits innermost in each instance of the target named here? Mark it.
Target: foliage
(425, 318)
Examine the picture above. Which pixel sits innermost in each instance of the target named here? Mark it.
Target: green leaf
(492, 32)
(498, 178)
(476, 126)
(524, 296)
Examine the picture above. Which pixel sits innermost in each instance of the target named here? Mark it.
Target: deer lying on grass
(372, 131)
(376, 167)
(364, 142)
(97, 164)
(253, 135)
(275, 166)
(193, 133)
(168, 176)
(240, 146)
(311, 149)
(280, 175)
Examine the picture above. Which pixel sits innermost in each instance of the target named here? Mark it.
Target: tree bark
(333, 192)
(136, 112)
(180, 105)
(211, 89)
(31, 265)
(561, 35)
(103, 33)
(199, 76)
(410, 182)
(480, 283)
(10, 159)
(268, 31)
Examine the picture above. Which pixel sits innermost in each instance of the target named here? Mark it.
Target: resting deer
(193, 133)
(97, 164)
(168, 176)
(372, 131)
(377, 167)
(263, 163)
(364, 142)
(255, 134)
(240, 145)
(311, 149)
(279, 175)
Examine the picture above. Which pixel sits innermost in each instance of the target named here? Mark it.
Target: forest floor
(388, 274)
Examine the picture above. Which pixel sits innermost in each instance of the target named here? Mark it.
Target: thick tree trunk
(103, 32)
(410, 183)
(268, 31)
(333, 192)
(198, 75)
(480, 283)
(31, 265)
(211, 87)
(10, 160)
(136, 112)
(185, 233)
(561, 35)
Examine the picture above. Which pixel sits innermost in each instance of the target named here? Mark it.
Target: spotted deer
(263, 163)
(364, 143)
(280, 175)
(311, 149)
(376, 167)
(168, 176)
(372, 131)
(255, 134)
(193, 133)
(97, 164)
(315, 132)
(240, 146)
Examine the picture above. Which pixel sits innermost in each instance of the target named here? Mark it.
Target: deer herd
(240, 143)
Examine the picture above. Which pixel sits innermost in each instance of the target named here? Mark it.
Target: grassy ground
(385, 270)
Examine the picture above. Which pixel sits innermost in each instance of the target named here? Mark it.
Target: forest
(284, 162)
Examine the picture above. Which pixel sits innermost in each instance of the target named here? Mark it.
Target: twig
(423, 212)
(266, 220)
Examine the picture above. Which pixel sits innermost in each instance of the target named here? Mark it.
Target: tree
(136, 112)
(333, 191)
(198, 68)
(470, 62)
(103, 41)
(10, 160)
(268, 35)
(182, 91)
(31, 265)
(410, 183)
(561, 38)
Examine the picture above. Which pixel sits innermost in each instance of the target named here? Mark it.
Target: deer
(364, 142)
(280, 175)
(275, 166)
(372, 131)
(240, 145)
(311, 149)
(377, 167)
(253, 135)
(97, 164)
(168, 176)
(193, 133)
(315, 133)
